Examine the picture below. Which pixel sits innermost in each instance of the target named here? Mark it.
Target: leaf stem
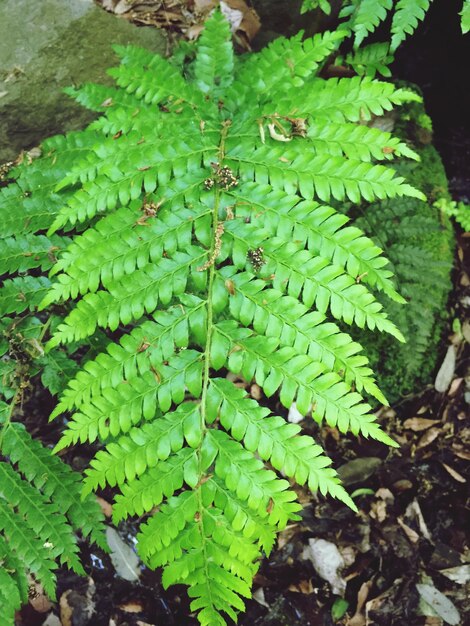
(206, 371)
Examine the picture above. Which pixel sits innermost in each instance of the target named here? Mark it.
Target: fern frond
(354, 99)
(22, 293)
(460, 211)
(371, 60)
(40, 517)
(310, 5)
(26, 252)
(275, 315)
(146, 347)
(213, 68)
(465, 17)
(202, 244)
(116, 410)
(40, 506)
(367, 16)
(275, 440)
(357, 142)
(13, 585)
(28, 548)
(125, 302)
(296, 61)
(55, 480)
(321, 228)
(405, 19)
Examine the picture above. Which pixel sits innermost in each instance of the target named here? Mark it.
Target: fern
(41, 509)
(361, 18)
(405, 19)
(370, 60)
(310, 5)
(40, 500)
(420, 245)
(460, 211)
(465, 17)
(202, 243)
(366, 17)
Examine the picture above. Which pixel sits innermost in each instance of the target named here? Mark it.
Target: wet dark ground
(390, 547)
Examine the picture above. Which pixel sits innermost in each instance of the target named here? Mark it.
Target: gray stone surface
(46, 45)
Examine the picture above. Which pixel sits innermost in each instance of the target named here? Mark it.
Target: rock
(46, 46)
(327, 561)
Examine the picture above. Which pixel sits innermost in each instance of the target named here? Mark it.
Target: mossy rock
(419, 242)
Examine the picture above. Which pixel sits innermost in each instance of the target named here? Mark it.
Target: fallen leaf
(277, 136)
(106, 507)
(358, 470)
(428, 437)
(378, 510)
(77, 607)
(203, 6)
(258, 595)
(454, 387)
(286, 535)
(304, 586)
(417, 424)
(460, 451)
(411, 534)
(446, 371)
(132, 607)
(403, 484)
(327, 561)
(349, 555)
(466, 330)
(358, 619)
(122, 7)
(294, 416)
(413, 511)
(125, 560)
(459, 574)
(455, 475)
(233, 16)
(37, 597)
(255, 392)
(439, 603)
(52, 620)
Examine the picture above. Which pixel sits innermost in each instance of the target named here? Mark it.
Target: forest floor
(405, 550)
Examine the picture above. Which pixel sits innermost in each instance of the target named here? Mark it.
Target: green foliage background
(420, 243)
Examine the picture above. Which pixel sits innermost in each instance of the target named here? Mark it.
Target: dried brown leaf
(304, 586)
(106, 507)
(411, 534)
(454, 387)
(455, 475)
(428, 437)
(37, 597)
(418, 424)
(413, 511)
(460, 451)
(132, 607)
(378, 510)
(358, 619)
